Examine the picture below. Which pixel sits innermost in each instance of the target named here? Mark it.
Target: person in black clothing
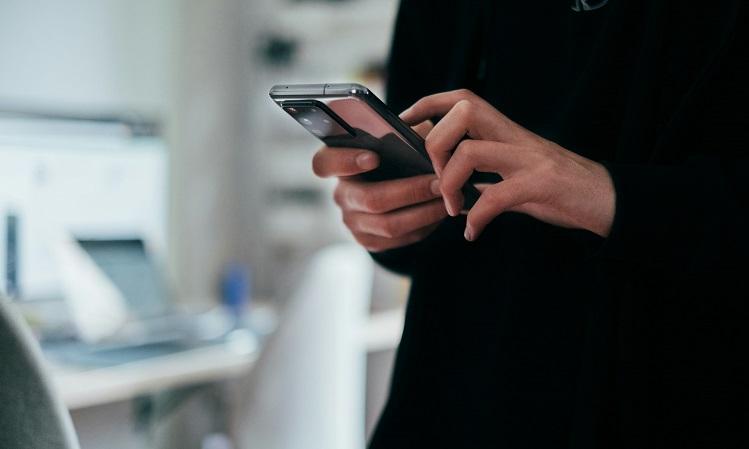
(598, 295)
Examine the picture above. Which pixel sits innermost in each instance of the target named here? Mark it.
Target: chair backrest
(31, 415)
(308, 389)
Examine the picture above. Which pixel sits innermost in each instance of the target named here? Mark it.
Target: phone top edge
(317, 90)
(295, 90)
(346, 89)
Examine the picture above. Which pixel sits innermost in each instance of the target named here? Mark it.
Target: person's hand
(386, 214)
(540, 178)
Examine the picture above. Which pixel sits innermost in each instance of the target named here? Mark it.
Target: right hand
(385, 214)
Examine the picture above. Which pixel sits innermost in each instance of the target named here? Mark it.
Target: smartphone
(351, 116)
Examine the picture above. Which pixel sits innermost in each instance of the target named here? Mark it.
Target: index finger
(435, 105)
(330, 161)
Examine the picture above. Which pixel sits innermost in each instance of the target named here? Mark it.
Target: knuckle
(463, 157)
(466, 150)
(465, 93)
(339, 194)
(318, 163)
(348, 194)
(464, 108)
(348, 221)
(423, 191)
(371, 202)
(357, 197)
(429, 143)
(414, 192)
(419, 104)
(548, 168)
(498, 197)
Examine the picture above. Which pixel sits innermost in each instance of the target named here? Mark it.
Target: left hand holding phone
(385, 214)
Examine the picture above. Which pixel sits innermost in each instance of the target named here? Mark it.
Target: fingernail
(434, 186)
(450, 210)
(468, 234)
(367, 161)
(404, 113)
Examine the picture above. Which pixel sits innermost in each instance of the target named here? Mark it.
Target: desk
(100, 399)
(86, 388)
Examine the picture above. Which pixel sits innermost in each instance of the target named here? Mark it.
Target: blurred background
(162, 231)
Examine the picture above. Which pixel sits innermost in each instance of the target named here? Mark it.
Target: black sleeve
(694, 214)
(445, 242)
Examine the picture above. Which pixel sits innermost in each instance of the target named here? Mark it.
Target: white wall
(210, 141)
(87, 54)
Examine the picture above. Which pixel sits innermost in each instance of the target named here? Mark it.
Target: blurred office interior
(162, 231)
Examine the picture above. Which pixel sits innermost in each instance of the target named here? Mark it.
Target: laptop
(155, 327)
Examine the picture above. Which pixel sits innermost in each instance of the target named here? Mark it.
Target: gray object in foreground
(31, 415)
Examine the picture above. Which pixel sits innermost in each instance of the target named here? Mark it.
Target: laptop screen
(128, 265)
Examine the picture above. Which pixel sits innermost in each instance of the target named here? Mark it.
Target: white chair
(308, 389)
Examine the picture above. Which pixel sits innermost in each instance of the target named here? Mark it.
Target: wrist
(603, 201)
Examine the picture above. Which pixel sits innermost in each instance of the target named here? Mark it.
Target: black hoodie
(535, 336)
